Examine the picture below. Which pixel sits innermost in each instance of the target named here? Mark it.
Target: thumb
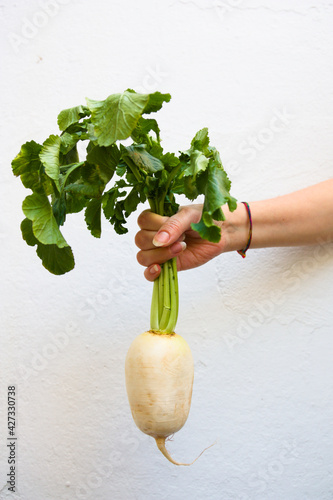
(173, 228)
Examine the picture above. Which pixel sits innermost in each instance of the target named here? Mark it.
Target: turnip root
(159, 379)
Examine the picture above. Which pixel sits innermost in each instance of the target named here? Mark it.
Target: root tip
(160, 441)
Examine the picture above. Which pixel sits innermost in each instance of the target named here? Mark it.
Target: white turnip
(159, 380)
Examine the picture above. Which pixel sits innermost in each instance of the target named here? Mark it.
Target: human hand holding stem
(303, 217)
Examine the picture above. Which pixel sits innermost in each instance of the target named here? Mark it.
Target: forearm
(304, 217)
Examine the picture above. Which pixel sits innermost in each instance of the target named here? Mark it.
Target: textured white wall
(258, 74)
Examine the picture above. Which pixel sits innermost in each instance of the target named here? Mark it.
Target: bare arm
(300, 218)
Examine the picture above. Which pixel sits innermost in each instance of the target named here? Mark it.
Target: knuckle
(174, 226)
(140, 256)
(138, 239)
(142, 219)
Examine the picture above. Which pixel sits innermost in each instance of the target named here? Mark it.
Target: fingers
(160, 255)
(152, 272)
(173, 228)
(150, 221)
(144, 239)
(162, 238)
(168, 229)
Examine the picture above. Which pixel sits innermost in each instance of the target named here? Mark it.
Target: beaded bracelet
(243, 252)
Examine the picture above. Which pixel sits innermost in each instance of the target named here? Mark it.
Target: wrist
(235, 228)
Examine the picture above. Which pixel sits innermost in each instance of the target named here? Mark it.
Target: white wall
(260, 328)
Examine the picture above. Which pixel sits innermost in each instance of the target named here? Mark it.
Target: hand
(161, 238)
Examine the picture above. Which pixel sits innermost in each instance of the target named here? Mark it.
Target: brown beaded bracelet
(243, 252)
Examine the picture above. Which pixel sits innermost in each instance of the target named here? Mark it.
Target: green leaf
(116, 117)
(75, 202)
(27, 233)
(198, 163)
(28, 159)
(37, 208)
(109, 200)
(56, 260)
(59, 210)
(106, 159)
(68, 145)
(93, 217)
(141, 158)
(121, 168)
(90, 183)
(216, 190)
(118, 220)
(27, 164)
(155, 102)
(199, 154)
(72, 115)
(67, 171)
(131, 201)
(201, 141)
(144, 126)
(208, 230)
(49, 156)
(81, 188)
(190, 188)
(170, 161)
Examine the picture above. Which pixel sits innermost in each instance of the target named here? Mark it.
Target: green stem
(174, 296)
(165, 297)
(164, 321)
(154, 310)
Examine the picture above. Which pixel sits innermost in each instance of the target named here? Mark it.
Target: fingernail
(178, 247)
(161, 239)
(154, 269)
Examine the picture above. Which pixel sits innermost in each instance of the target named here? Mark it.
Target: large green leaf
(72, 115)
(116, 116)
(56, 260)
(37, 208)
(49, 156)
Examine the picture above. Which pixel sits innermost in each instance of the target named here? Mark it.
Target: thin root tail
(160, 441)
